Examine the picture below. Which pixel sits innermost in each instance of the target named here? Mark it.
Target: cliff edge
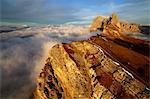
(106, 66)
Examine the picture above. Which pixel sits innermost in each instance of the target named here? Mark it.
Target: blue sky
(73, 11)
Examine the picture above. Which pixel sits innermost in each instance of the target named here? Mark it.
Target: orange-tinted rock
(126, 27)
(130, 27)
(126, 96)
(105, 79)
(83, 70)
(116, 88)
(97, 23)
(111, 65)
(129, 58)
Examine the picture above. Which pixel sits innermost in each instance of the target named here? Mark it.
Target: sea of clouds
(23, 51)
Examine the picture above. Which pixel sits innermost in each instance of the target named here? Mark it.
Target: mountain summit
(107, 66)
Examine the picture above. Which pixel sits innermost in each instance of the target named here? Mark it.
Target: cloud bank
(21, 60)
(23, 56)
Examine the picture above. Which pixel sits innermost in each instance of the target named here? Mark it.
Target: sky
(73, 11)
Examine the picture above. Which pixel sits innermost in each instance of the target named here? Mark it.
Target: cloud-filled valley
(23, 55)
(24, 50)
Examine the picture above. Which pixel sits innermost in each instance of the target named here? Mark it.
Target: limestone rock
(82, 70)
(112, 28)
(130, 27)
(97, 23)
(125, 27)
(105, 66)
(115, 20)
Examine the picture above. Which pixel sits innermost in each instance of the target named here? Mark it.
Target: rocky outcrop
(107, 66)
(97, 23)
(125, 27)
(130, 27)
(112, 27)
(83, 70)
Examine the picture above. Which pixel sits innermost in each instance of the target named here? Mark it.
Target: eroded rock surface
(126, 27)
(81, 70)
(107, 66)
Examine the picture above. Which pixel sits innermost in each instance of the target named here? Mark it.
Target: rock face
(101, 23)
(82, 70)
(97, 23)
(107, 66)
(130, 27)
(112, 27)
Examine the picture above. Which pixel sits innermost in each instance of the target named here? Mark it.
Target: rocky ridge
(105, 66)
(101, 22)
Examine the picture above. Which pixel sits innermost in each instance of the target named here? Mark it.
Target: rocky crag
(107, 66)
(100, 22)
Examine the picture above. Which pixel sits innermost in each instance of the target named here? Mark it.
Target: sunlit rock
(82, 70)
(107, 66)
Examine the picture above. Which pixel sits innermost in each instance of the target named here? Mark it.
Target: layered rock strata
(110, 65)
(100, 22)
(81, 70)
